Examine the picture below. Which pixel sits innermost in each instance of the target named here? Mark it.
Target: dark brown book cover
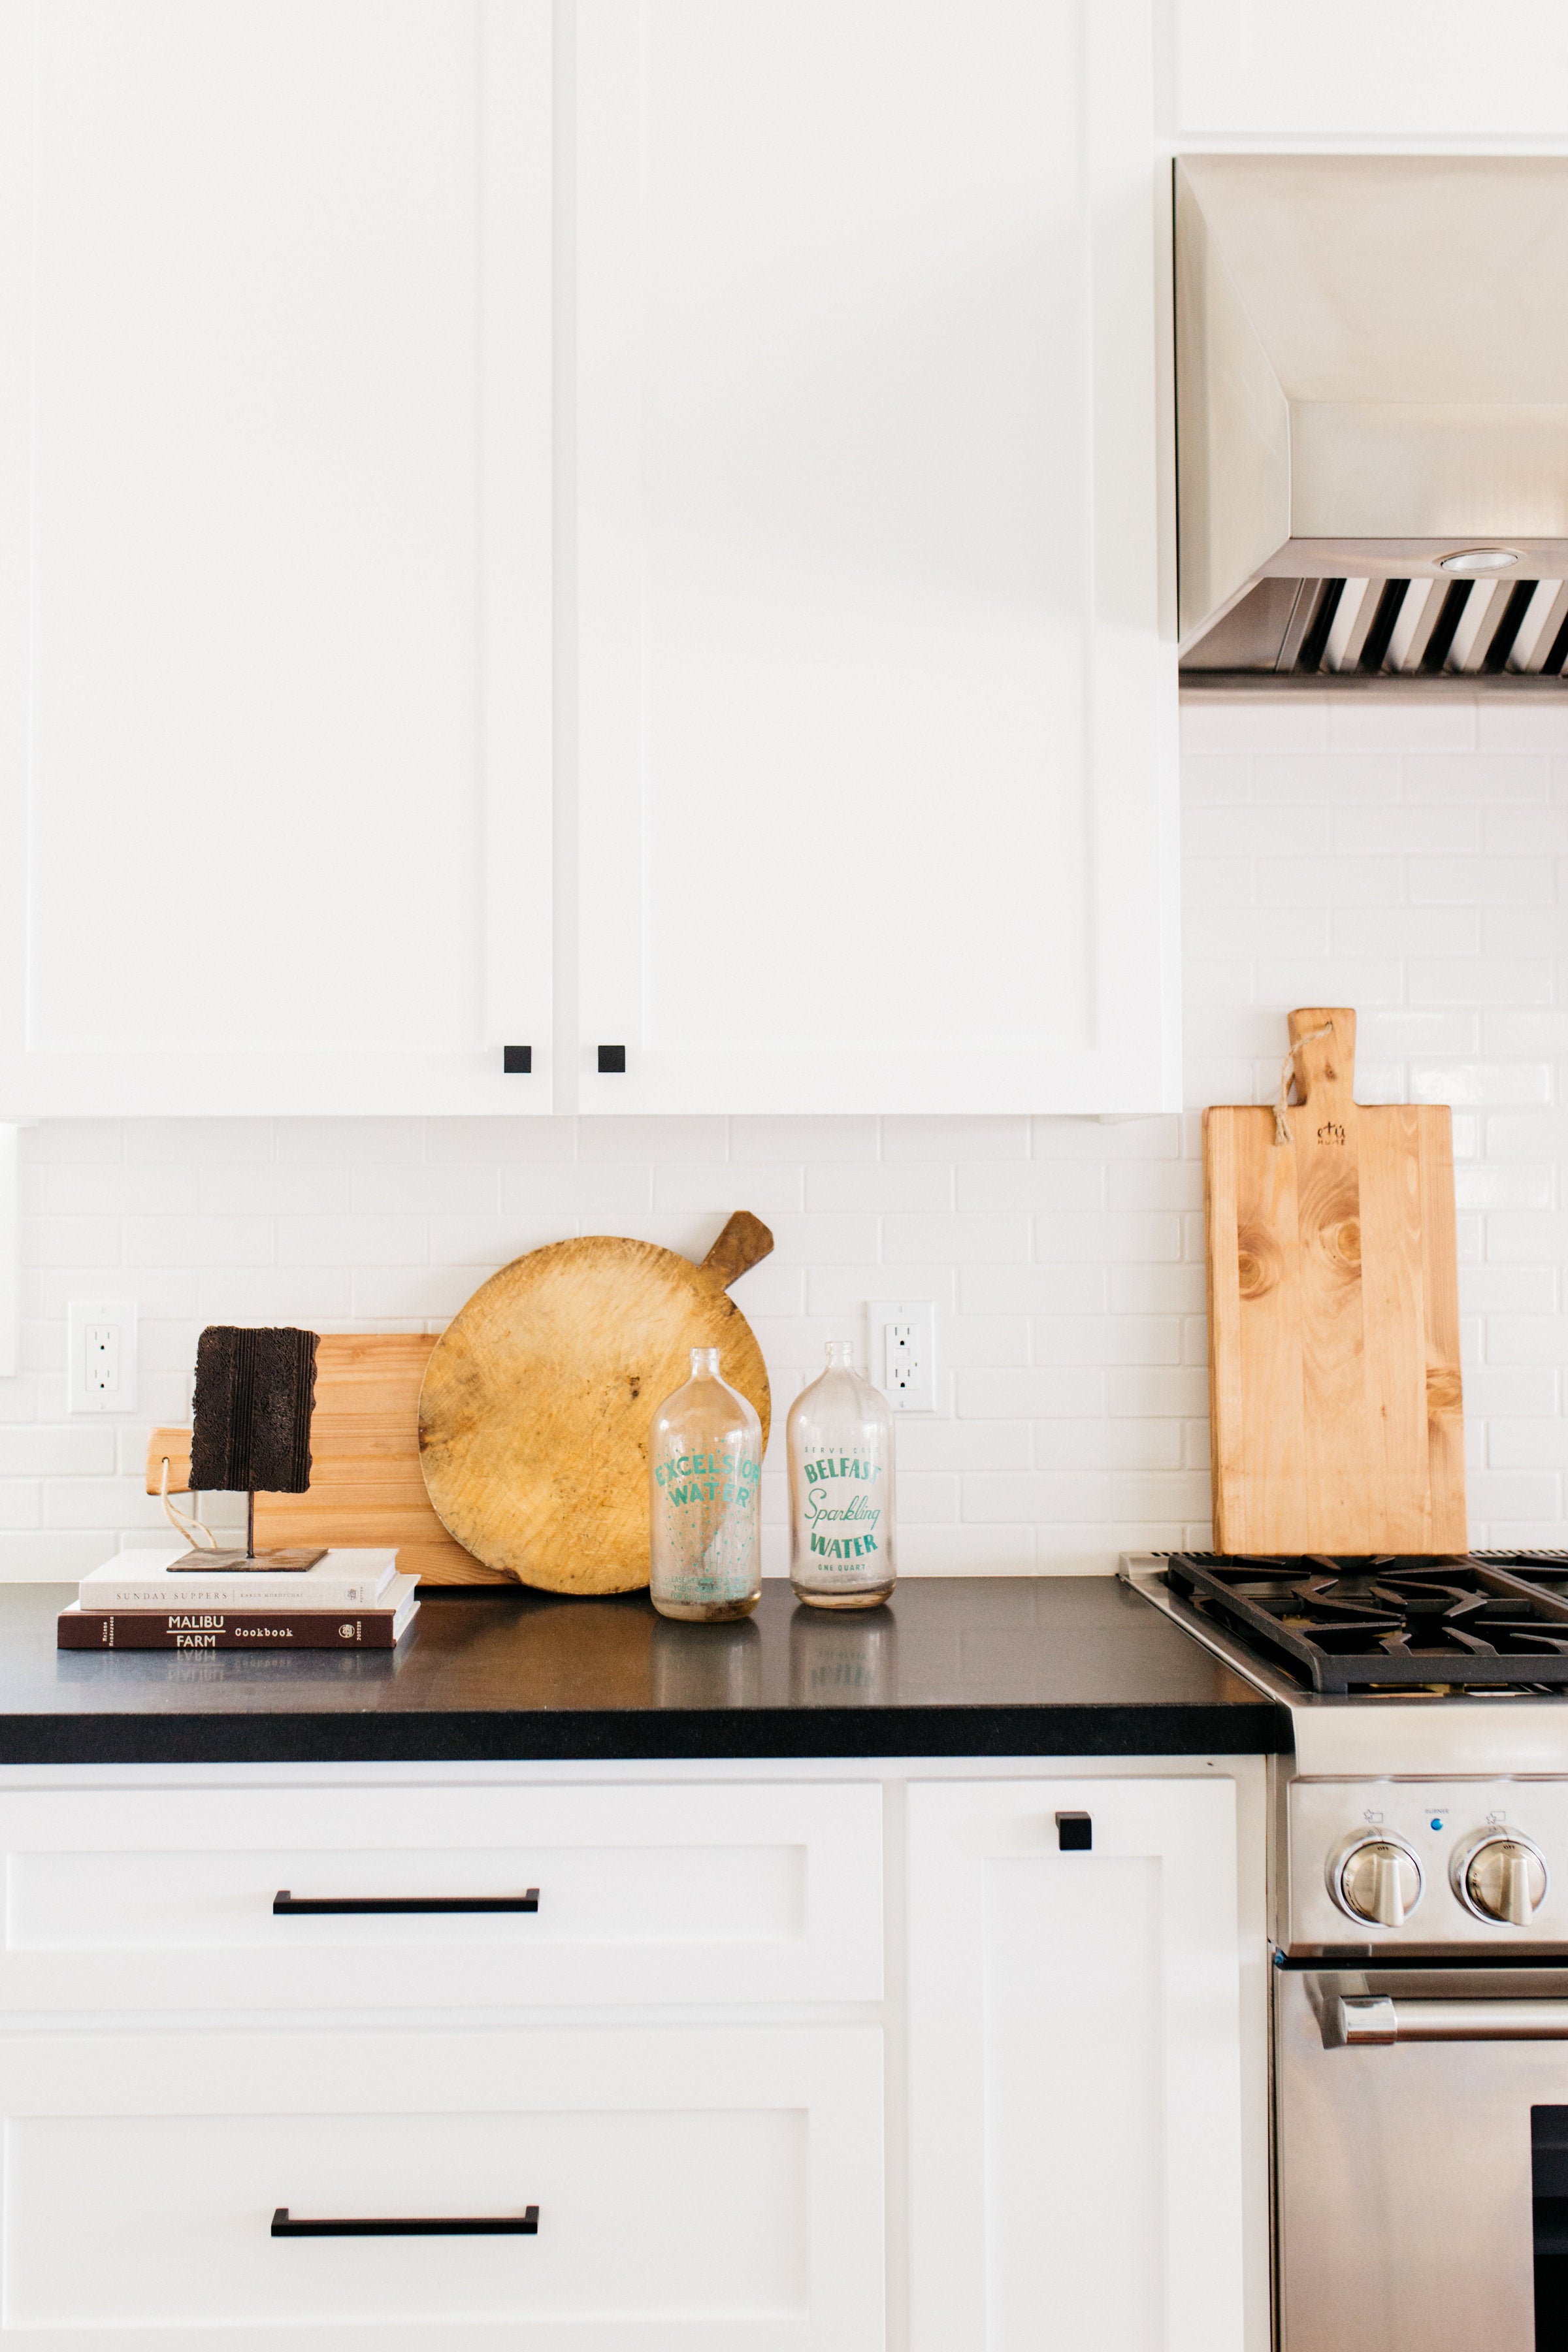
(233, 1629)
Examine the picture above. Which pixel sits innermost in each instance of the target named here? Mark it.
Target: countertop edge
(534, 1736)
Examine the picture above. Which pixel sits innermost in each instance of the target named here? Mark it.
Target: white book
(341, 1579)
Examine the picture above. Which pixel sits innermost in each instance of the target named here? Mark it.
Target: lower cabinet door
(718, 2189)
(1075, 2083)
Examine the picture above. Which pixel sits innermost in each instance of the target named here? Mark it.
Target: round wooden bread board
(539, 1396)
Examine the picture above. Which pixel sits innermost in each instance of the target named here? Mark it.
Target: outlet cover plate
(101, 1356)
(901, 1352)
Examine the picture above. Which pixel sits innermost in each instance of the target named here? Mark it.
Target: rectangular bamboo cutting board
(1336, 1417)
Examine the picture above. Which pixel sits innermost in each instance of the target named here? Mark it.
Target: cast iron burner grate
(1480, 1620)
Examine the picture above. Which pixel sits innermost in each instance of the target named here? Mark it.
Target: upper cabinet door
(1365, 68)
(275, 554)
(873, 724)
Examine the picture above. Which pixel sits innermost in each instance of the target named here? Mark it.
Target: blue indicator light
(1435, 1823)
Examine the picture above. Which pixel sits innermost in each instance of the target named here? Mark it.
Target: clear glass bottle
(839, 1440)
(705, 1464)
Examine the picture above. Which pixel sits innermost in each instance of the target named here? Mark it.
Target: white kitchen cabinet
(1370, 68)
(646, 1896)
(1075, 2068)
(764, 388)
(721, 2190)
(684, 2071)
(873, 722)
(275, 554)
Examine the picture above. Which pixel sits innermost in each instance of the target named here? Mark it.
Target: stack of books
(167, 1600)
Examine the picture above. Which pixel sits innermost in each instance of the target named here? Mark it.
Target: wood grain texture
(172, 1445)
(365, 1481)
(1335, 1397)
(537, 1401)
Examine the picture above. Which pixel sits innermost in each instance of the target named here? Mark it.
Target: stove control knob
(1379, 1879)
(1501, 1877)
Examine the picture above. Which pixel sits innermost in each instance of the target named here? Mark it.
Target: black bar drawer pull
(456, 2225)
(339, 1904)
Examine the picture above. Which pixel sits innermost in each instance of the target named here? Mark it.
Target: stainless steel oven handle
(1380, 2020)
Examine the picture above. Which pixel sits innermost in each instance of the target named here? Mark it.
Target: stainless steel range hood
(1372, 380)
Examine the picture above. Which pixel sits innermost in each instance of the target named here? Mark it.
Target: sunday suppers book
(341, 1579)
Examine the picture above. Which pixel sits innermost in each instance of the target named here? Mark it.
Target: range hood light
(1478, 563)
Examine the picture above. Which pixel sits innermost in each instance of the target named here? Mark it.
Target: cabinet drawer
(165, 1899)
(712, 2189)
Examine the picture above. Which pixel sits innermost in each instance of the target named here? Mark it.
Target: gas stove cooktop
(1388, 1664)
(1476, 1623)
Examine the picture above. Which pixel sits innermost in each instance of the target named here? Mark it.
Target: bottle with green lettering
(839, 1440)
(704, 1468)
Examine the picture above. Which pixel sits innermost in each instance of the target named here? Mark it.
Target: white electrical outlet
(903, 1353)
(101, 1369)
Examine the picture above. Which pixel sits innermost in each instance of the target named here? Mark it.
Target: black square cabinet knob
(611, 1060)
(517, 1061)
(1075, 1833)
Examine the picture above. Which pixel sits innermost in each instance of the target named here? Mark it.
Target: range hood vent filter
(1362, 628)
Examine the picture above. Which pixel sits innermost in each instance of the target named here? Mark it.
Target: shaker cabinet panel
(719, 2190)
(872, 719)
(164, 1900)
(275, 629)
(1416, 67)
(1074, 2097)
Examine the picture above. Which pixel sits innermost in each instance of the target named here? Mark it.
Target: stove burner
(1478, 1621)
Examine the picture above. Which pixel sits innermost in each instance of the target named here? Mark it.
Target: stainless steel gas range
(1418, 1878)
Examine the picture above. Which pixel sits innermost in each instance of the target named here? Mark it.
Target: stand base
(239, 1563)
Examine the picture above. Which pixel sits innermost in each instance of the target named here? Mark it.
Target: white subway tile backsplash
(876, 1184)
(1480, 980)
(200, 1142)
(1526, 832)
(1484, 777)
(359, 1241)
(1356, 724)
(1409, 860)
(1033, 1290)
(720, 1190)
(452, 1191)
(1108, 1340)
(82, 1451)
(1019, 1395)
(308, 1297)
(353, 1142)
(273, 1190)
(1107, 1236)
(597, 1198)
(1357, 777)
(1506, 725)
(971, 1239)
(780, 1138)
(1011, 1497)
(492, 1141)
(1031, 1187)
(1375, 826)
(1296, 722)
(956, 1140)
(1480, 881)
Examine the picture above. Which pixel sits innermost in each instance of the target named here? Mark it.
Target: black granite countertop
(1076, 1665)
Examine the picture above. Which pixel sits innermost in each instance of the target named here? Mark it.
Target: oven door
(1421, 2159)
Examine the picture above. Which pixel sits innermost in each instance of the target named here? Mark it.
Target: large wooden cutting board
(1336, 1420)
(540, 1394)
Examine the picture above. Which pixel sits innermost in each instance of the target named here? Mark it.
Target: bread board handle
(743, 1244)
